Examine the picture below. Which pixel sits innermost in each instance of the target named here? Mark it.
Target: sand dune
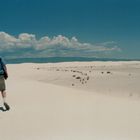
(49, 102)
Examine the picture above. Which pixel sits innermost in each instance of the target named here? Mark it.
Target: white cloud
(6, 41)
(26, 37)
(27, 45)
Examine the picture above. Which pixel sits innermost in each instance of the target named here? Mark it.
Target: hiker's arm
(6, 70)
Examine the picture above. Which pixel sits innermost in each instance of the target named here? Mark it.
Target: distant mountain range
(61, 59)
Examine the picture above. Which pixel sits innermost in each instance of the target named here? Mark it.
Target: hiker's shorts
(2, 83)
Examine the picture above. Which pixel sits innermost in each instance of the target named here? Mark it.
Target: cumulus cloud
(26, 45)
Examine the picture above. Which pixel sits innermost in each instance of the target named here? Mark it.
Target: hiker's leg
(4, 100)
(3, 95)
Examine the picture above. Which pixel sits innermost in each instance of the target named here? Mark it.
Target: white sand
(48, 103)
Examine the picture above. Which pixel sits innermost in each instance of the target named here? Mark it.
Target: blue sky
(113, 26)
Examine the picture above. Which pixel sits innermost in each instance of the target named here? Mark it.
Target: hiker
(3, 77)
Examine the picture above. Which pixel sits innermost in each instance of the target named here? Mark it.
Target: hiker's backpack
(3, 69)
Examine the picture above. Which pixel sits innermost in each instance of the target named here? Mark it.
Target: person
(3, 77)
